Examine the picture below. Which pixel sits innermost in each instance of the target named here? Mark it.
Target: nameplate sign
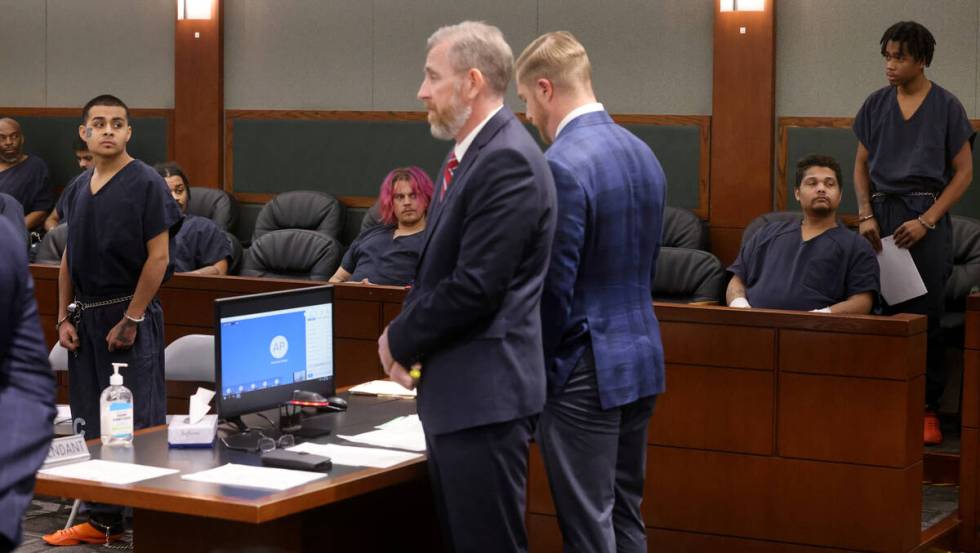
(68, 449)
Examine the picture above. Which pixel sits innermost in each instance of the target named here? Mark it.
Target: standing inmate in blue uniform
(120, 223)
(914, 162)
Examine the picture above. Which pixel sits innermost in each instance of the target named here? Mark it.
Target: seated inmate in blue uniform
(84, 159)
(811, 265)
(200, 247)
(25, 177)
(388, 254)
(121, 218)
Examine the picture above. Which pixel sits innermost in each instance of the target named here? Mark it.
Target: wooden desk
(341, 512)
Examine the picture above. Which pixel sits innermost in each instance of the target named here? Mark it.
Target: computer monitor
(268, 345)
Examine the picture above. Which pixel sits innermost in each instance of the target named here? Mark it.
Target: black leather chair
(965, 277)
(52, 246)
(683, 229)
(302, 209)
(686, 275)
(292, 253)
(217, 205)
(372, 218)
(235, 263)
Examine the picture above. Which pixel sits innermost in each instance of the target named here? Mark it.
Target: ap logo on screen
(279, 346)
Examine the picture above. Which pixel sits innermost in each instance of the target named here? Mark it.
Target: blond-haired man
(603, 355)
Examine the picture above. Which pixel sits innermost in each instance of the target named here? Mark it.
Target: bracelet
(57, 325)
(867, 217)
(925, 224)
(134, 319)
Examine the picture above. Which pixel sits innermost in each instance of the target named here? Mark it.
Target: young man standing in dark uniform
(914, 162)
(121, 219)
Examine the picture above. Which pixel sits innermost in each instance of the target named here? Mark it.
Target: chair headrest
(301, 209)
(293, 253)
(965, 275)
(683, 229)
(686, 275)
(52, 246)
(217, 205)
(190, 358)
(372, 218)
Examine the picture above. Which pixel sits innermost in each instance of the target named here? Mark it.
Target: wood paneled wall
(970, 430)
(742, 119)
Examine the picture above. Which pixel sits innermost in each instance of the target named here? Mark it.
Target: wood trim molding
(785, 123)
(320, 115)
(166, 113)
(703, 122)
(364, 202)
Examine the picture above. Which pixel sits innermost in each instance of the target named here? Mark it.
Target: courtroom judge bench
(746, 451)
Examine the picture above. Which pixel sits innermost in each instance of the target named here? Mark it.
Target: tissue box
(180, 433)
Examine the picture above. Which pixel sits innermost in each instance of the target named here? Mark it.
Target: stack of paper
(399, 433)
(108, 472)
(383, 388)
(357, 456)
(247, 476)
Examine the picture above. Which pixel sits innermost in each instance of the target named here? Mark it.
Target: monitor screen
(268, 345)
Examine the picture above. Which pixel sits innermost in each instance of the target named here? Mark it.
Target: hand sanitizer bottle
(116, 409)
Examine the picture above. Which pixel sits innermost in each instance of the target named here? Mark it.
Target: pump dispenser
(116, 409)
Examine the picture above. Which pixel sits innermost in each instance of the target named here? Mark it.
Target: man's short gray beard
(447, 130)
(11, 159)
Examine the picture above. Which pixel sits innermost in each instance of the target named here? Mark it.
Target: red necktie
(447, 175)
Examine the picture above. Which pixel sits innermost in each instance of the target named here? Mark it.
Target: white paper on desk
(200, 404)
(108, 472)
(900, 280)
(358, 456)
(386, 438)
(248, 476)
(407, 423)
(400, 433)
(383, 388)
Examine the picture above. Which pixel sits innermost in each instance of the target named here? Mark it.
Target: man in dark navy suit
(470, 329)
(26, 386)
(603, 355)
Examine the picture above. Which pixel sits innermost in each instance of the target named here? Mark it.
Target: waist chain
(76, 307)
(877, 195)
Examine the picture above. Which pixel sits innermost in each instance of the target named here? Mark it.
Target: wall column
(742, 124)
(199, 97)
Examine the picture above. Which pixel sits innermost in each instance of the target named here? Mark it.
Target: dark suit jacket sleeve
(566, 255)
(502, 213)
(26, 386)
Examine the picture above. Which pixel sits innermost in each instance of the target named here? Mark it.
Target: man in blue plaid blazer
(26, 386)
(603, 355)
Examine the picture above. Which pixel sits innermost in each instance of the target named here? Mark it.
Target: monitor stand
(244, 441)
(315, 426)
